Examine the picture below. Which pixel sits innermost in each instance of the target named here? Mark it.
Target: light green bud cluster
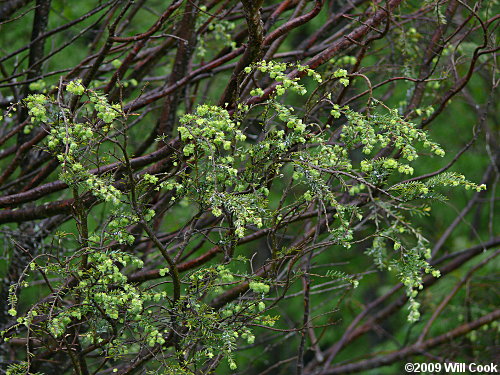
(292, 122)
(220, 33)
(247, 335)
(105, 111)
(225, 275)
(356, 189)
(150, 178)
(39, 85)
(163, 271)
(103, 189)
(57, 326)
(335, 112)
(247, 208)
(342, 74)
(346, 60)
(382, 164)
(117, 228)
(307, 196)
(209, 128)
(212, 143)
(37, 109)
(154, 337)
(75, 87)
(149, 214)
(413, 35)
(257, 92)
(68, 139)
(428, 110)
(94, 288)
(413, 307)
(258, 287)
(276, 71)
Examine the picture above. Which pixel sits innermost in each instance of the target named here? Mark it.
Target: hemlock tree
(252, 187)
